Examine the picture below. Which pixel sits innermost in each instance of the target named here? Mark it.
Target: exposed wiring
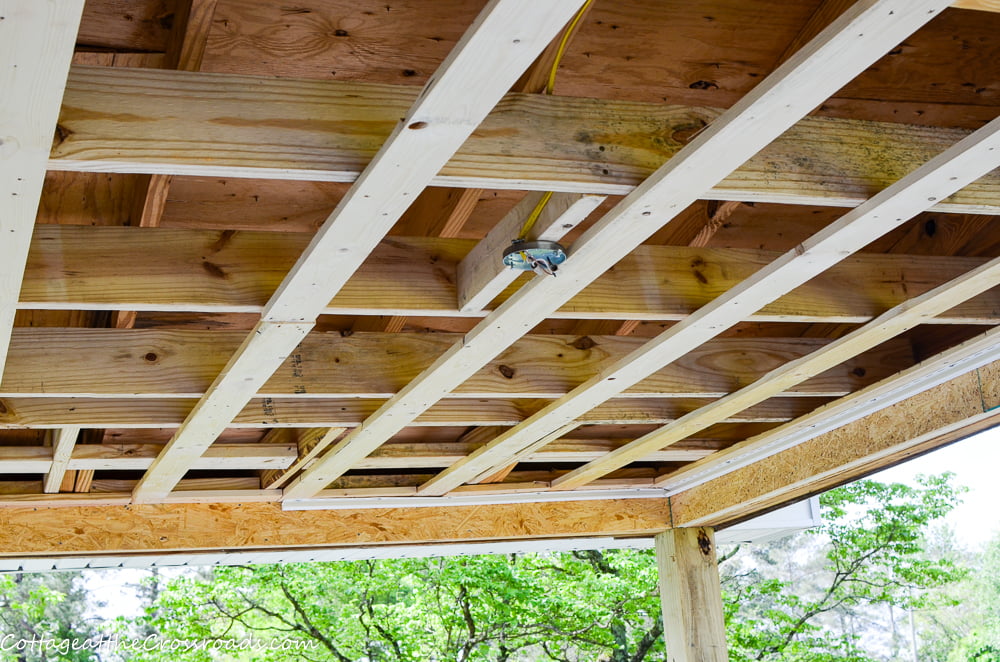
(550, 86)
(533, 216)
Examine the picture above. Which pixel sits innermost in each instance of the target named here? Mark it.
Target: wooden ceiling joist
(500, 45)
(72, 267)
(36, 46)
(530, 141)
(130, 457)
(145, 413)
(157, 364)
(948, 172)
(981, 5)
(829, 61)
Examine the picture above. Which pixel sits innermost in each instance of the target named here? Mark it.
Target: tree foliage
(872, 553)
(43, 608)
(495, 608)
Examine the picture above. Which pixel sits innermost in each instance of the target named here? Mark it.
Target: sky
(976, 464)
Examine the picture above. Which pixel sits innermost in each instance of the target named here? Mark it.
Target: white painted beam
(36, 46)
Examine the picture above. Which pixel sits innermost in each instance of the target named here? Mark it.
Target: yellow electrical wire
(550, 86)
(533, 216)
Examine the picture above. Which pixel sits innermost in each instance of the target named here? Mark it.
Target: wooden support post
(691, 596)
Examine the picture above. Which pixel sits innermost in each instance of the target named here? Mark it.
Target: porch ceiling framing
(751, 152)
(829, 61)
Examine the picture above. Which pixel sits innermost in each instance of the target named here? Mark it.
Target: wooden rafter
(146, 413)
(773, 106)
(512, 32)
(63, 455)
(981, 5)
(523, 146)
(158, 364)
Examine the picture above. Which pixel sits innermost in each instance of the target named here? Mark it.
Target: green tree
(981, 640)
(43, 607)
(491, 608)
(872, 551)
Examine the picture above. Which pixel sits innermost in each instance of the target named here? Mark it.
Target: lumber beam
(691, 595)
(183, 363)
(888, 325)
(273, 455)
(145, 413)
(530, 142)
(915, 425)
(236, 272)
(189, 37)
(36, 47)
(171, 527)
(423, 456)
(502, 42)
(63, 455)
(825, 14)
(771, 108)
(218, 457)
(950, 171)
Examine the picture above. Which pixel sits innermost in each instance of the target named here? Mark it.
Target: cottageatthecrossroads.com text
(118, 643)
